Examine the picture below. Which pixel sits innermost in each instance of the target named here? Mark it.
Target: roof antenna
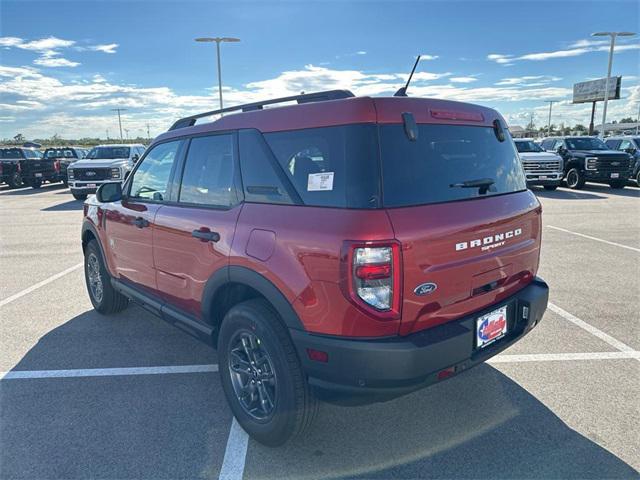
(402, 91)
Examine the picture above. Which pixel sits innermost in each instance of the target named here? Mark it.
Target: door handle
(206, 235)
(141, 222)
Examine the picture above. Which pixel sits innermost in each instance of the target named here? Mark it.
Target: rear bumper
(364, 371)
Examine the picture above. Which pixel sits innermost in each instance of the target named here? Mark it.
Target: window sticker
(320, 182)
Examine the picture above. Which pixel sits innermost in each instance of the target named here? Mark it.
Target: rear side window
(208, 172)
(444, 164)
(330, 167)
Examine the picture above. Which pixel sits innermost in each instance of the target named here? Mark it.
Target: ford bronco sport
(352, 249)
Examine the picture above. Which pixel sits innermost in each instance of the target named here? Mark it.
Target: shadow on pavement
(478, 425)
(142, 426)
(47, 187)
(624, 192)
(64, 207)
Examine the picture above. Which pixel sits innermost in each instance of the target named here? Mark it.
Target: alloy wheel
(252, 376)
(95, 277)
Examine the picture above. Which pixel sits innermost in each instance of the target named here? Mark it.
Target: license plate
(615, 175)
(543, 177)
(491, 327)
(38, 175)
(91, 185)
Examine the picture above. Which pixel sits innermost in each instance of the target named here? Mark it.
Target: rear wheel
(79, 196)
(550, 187)
(618, 185)
(575, 179)
(35, 183)
(638, 178)
(261, 375)
(104, 297)
(15, 181)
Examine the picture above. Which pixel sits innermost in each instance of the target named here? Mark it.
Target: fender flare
(254, 280)
(89, 227)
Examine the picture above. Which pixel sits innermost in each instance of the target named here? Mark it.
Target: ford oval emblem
(425, 288)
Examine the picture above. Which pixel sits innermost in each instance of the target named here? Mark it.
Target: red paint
(306, 252)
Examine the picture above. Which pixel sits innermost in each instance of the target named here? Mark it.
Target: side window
(260, 170)
(625, 145)
(547, 144)
(151, 180)
(558, 144)
(208, 172)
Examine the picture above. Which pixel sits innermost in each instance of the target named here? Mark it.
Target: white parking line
(105, 372)
(617, 344)
(44, 282)
(235, 453)
(595, 238)
(563, 357)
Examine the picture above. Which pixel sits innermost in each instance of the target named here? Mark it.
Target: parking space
(133, 397)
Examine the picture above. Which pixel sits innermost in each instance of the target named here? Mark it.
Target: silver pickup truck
(540, 167)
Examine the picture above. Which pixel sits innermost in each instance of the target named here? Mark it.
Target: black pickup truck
(589, 159)
(63, 157)
(32, 168)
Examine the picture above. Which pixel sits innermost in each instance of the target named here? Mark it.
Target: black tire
(638, 178)
(618, 185)
(293, 406)
(15, 181)
(35, 183)
(79, 196)
(550, 187)
(105, 298)
(65, 183)
(575, 179)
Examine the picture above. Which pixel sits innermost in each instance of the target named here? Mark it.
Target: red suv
(346, 248)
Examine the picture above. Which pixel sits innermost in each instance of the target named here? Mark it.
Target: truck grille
(541, 168)
(612, 165)
(91, 174)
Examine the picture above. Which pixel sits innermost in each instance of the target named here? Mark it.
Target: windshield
(528, 146)
(586, 143)
(59, 153)
(446, 163)
(108, 153)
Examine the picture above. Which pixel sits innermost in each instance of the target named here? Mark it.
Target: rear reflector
(317, 355)
(457, 115)
(446, 373)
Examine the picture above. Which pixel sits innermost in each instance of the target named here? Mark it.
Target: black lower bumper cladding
(364, 371)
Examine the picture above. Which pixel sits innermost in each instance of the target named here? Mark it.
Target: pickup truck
(32, 168)
(63, 157)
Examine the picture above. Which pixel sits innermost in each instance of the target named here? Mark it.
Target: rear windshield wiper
(482, 184)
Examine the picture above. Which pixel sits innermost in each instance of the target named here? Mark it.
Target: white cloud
(111, 48)
(428, 57)
(53, 62)
(361, 52)
(527, 80)
(463, 79)
(10, 41)
(46, 44)
(576, 49)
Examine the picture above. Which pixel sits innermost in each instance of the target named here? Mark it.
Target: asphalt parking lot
(130, 396)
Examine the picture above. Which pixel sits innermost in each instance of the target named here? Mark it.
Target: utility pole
(107, 134)
(119, 119)
(127, 132)
(638, 119)
(550, 102)
(148, 134)
(593, 112)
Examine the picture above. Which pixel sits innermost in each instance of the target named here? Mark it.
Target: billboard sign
(593, 91)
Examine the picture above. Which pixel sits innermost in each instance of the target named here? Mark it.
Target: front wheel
(575, 179)
(550, 187)
(261, 375)
(104, 297)
(618, 185)
(79, 196)
(35, 183)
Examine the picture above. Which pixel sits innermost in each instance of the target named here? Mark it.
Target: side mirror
(631, 150)
(135, 158)
(109, 192)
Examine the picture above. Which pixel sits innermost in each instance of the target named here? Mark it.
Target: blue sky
(64, 65)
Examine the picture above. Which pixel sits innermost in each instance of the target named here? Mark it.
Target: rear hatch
(470, 231)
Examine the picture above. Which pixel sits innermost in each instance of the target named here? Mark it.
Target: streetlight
(218, 40)
(613, 36)
(550, 102)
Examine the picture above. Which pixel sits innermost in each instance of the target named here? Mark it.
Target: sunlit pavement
(563, 403)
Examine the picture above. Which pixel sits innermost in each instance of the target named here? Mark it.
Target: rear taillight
(56, 166)
(372, 277)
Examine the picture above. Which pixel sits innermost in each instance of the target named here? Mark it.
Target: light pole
(550, 102)
(613, 36)
(218, 41)
(119, 120)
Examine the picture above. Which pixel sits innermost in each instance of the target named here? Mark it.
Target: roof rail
(248, 107)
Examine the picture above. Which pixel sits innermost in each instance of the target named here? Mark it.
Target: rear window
(11, 153)
(444, 163)
(330, 167)
(59, 153)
